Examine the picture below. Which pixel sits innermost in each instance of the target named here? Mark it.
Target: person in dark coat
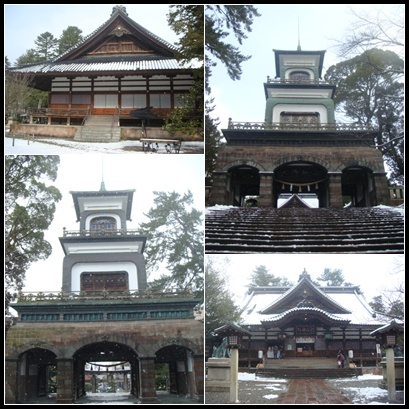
(341, 359)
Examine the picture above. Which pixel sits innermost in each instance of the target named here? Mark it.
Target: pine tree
(175, 242)
(220, 308)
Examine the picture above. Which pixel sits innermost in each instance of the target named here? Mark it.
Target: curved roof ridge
(305, 278)
(297, 309)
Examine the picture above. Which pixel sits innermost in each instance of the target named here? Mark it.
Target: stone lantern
(393, 366)
(234, 334)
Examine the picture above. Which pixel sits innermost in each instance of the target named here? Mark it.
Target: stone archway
(244, 180)
(358, 186)
(177, 363)
(102, 359)
(36, 374)
(304, 178)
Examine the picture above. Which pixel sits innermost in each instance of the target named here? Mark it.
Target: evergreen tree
(29, 57)
(213, 142)
(370, 92)
(29, 211)
(188, 20)
(47, 46)
(220, 308)
(332, 277)
(220, 21)
(69, 37)
(175, 241)
(262, 278)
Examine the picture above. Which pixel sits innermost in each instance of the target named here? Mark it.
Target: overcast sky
(23, 23)
(318, 27)
(144, 173)
(374, 273)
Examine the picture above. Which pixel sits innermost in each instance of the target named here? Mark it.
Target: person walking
(341, 359)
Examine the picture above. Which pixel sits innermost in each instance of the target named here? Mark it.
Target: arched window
(299, 76)
(103, 223)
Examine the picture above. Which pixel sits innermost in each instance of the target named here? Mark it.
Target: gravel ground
(265, 392)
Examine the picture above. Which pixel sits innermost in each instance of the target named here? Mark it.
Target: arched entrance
(358, 187)
(36, 374)
(244, 181)
(174, 371)
(301, 177)
(106, 367)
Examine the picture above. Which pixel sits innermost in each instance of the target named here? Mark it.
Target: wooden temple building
(119, 77)
(103, 316)
(307, 321)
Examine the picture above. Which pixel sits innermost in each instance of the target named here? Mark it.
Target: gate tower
(299, 148)
(104, 313)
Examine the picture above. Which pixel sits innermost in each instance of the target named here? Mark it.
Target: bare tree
(17, 92)
(375, 29)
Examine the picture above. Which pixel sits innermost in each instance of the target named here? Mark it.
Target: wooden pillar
(335, 189)
(266, 189)
(147, 385)
(65, 381)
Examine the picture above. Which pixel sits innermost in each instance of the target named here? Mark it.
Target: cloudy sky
(374, 273)
(318, 26)
(23, 23)
(144, 173)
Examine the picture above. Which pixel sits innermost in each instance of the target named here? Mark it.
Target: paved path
(311, 391)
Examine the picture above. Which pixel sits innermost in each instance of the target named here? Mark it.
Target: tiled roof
(360, 312)
(105, 64)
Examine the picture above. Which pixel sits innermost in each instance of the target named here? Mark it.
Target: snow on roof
(361, 312)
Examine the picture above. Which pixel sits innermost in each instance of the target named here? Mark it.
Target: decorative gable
(304, 295)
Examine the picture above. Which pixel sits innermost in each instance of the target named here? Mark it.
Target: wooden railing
(59, 112)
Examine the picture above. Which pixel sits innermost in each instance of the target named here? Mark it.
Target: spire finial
(102, 189)
(299, 46)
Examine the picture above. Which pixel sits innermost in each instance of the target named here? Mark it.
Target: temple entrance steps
(231, 229)
(99, 128)
(299, 368)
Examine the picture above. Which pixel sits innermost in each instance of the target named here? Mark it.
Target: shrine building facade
(306, 320)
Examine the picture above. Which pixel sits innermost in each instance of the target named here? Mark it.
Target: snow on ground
(361, 390)
(52, 146)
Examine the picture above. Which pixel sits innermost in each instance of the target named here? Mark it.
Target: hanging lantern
(316, 186)
(308, 187)
(282, 187)
(291, 188)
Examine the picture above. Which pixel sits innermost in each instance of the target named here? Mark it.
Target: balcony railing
(100, 233)
(312, 127)
(297, 81)
(73, 296)
(58, 112)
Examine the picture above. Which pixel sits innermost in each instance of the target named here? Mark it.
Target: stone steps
(308, 373)
(98, 128)
(267, 230)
